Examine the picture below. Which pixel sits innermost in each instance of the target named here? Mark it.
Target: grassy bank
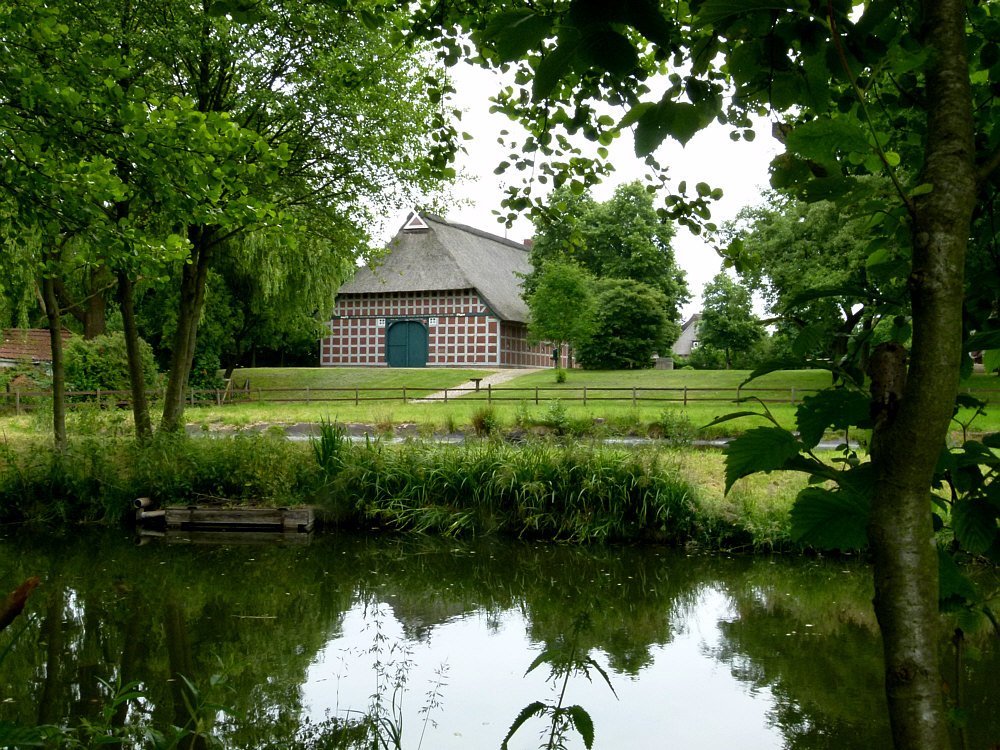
(577, 491)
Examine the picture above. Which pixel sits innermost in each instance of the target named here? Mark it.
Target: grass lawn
(710, 394)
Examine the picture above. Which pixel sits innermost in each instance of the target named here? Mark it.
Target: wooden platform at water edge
(216, 518)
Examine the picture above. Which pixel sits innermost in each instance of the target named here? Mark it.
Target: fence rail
(21, 401)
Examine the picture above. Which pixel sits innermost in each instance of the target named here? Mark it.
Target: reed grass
(571, 490)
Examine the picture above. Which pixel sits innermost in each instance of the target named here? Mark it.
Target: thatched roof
(446, 256)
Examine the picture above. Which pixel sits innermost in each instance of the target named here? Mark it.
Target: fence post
(536, 395)
(446, 395)
(685, 395)
(98, 399)
(17, 402)
(584, 395)
(260, 396)
(404, 394)
(307, 395)
(633, 395)
(218, 397)
(191, 394)
(737, 392)
(489, 393)
(355, 396)
(793, 395)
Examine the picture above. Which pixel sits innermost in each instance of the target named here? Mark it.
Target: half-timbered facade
(446, 295)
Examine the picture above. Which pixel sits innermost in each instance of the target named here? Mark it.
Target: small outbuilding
(445, 295)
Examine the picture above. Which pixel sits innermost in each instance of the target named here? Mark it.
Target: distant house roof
(27, 343)
(691, 321)
(431, 254)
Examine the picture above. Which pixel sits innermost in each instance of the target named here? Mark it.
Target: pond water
(702, 651)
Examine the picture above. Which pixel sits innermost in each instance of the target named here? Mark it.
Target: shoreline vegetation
(543, 488)
(552, 471)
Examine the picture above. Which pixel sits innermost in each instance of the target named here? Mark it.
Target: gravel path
(494, 378)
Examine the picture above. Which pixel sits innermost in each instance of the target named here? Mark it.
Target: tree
(622, 238)
(561, 309)
(810, 262)
(630, 324)
(825, 66)
(727, 320)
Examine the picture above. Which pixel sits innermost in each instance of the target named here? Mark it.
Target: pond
(436, 636)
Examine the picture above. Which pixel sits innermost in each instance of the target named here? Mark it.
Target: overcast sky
(739, 168)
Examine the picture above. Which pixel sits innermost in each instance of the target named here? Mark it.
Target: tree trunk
(909, 436)
(192, 297)
(58, 365)
(136, 376)
(92, 310)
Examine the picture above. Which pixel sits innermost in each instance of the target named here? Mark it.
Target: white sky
(738, 168)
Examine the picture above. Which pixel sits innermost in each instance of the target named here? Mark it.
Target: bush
(485, 421)
(707, 358)
(676, 428)
(630, 324)
(205, 372)
(102, 362)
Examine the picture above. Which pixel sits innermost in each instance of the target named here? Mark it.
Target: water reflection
(703, 652)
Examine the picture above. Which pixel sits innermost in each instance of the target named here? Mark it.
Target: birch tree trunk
(910, 434)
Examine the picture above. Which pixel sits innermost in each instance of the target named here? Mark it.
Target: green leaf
(975, 523)
(731, 416)
(583, 724)
(610, 51)
(983, 340)
(532, 709)
(760, 449)
(951, 583)
(823, 139)
(830, 519)
(517, 31)
(836, 408)
(12, 735)
(679, 120)
(991, 360)
(717, 12)
(554, 66)
(809, 339)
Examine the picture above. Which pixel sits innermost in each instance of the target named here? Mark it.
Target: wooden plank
(195, 516)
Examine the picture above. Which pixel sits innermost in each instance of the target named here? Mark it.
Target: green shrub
(206, 372)
(555, 417)
(102, 363)
(560, 375)
(485, 421)
(675, 427)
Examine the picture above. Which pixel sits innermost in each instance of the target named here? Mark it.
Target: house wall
(686, 341)
(465, 332)
(515, 351)
(461, 330)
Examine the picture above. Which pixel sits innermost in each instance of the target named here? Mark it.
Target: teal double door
(406, 344)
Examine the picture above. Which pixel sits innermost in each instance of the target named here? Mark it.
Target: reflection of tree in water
(808, 633)
(262, 614)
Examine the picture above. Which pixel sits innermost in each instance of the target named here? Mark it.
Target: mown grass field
(530, 398)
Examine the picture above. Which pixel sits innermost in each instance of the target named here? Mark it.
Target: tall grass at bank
(575, 491)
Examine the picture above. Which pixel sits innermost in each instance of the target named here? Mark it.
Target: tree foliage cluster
(145, 150)
(604, 278)
(727, 324)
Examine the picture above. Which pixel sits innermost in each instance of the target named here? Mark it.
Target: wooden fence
(21, 401)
